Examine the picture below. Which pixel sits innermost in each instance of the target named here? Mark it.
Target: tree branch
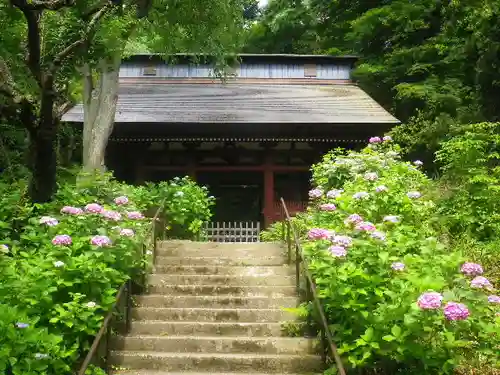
(56, 62)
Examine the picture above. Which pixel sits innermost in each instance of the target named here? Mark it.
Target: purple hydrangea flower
(366, 226)
(378, 235)
(101, 241)
(344, 241)
(413, 195)
(335, 193)
(430, 301)
(381, 189)
(371, 176)
(328, 207)
(4, 248)
(71, 210)
(480, 282)
(387, 138)
(135, 215)
(471, 269)
(62, 239)
(391, 219)
(398, 266)
(127, 232)
(494, 299)
(361, 195)
(375, 140)
(121, 200)
(93, 208)
(22, 325)
(319, 234)
(456, 311)
(111, 215)
(50, 221)
(353, 219)
(418, 163)
(338, 251)
(315, 193)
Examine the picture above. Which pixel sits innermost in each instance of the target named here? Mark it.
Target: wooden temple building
(251, 139)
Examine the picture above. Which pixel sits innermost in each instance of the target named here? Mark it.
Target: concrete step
(158, 300)
(220, 260)
(282, 270)
(188, 248)
(184, 328)
(217, 362)
(212, 315)
(206, 344)
(211, 290)
(249, 280)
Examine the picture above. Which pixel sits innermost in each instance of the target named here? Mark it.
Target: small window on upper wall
(309, 70)
(149, 71)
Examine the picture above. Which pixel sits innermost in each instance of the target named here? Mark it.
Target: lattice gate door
(233, 231)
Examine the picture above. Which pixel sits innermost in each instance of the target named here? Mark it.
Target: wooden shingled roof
(164, 102)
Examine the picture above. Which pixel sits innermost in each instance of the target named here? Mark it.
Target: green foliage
(63, 291)
(277, 232)
(372, 306)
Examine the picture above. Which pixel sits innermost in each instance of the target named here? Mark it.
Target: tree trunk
(43, 155)
(99, 112)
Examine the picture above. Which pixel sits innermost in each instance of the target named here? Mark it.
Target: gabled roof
(237, 102)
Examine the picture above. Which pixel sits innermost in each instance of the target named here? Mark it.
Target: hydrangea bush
(398, 299)
(61, 272)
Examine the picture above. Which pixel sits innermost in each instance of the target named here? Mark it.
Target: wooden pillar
(268, 193)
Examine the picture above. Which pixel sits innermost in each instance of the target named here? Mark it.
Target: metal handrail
(125, 290)
(299, 257)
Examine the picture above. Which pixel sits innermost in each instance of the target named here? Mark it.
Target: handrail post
(289, 241)
(128, 306)
(297, 268)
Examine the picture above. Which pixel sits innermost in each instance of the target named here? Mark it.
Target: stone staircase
(215, 308)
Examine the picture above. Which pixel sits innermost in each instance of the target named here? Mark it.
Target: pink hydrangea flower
(387, 138)
(93, 208)
(480, 282)
(135, 215)
(101, 241)
(353, 219)
(127, 232)
(344, 241)
(121, 200)
(71, 210)
(456, 311)
(62, 239)
(471, 269)
(337, 251)
(315, 193)
(366, 226)
(494, 299)
(328, 207)
(319, 234)
(335, 193)
(111, 215)
(398, 266)
(381, 189)
(413, 194)
(371, 176)
(378, 235)
(375, 140)
(50, 221)
(430, 301)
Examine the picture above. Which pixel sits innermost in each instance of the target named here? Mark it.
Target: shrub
(393, 292)
(61, 270)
